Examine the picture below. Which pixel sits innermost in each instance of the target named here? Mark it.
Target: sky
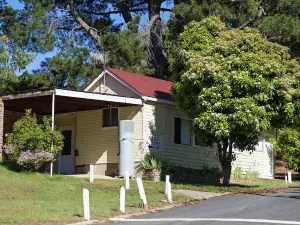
(40, 57)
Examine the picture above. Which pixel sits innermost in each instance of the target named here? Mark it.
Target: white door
(66, 163)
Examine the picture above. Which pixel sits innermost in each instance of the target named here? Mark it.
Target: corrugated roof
(145, 85)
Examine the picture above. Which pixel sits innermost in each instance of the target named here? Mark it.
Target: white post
(127, 184)
(285, 178)
(52, 127)
(122, 199)
(142, 192)
(86, 204)
(290, 177)
(92, 173)
(169, 193)
(167, 181)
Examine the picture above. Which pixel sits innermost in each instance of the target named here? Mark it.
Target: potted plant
(151, 166)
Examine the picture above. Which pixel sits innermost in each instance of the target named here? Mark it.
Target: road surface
(279, 208)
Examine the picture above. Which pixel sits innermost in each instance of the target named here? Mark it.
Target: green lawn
(34, 198)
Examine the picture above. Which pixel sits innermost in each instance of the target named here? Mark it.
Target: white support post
(92, 173)
(86, 204)
(127, 182)
(122, 199)
(52, 127)
(290, 177)
(169, 194)
(142, 192)
(167, 181)
(285, 178)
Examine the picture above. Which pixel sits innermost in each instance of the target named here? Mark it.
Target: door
(66, 156)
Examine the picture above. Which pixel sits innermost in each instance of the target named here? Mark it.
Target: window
(110, 117)
(182, 133)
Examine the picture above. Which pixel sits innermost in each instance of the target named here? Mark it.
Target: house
(89, 123)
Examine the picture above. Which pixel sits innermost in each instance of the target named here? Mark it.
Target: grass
(35, 198)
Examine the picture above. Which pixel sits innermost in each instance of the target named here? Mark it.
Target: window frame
(193, 137)
(109, 127)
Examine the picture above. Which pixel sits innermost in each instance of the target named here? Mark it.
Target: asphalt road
(279, 208)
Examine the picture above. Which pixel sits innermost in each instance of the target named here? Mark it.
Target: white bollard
(86, 204)
(92, 173)
(51, 169)
(290, 177)
(122, 199)
(169, 194)
(167, 181)
(285, 178)
(142, 192)
(127, 184)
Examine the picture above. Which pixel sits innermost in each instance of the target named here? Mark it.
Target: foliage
(287, 145)
(72, 68)
(28, 134)
(151, 161)
(276, 20)
(34, 161)
(7, 151)
(235, 84)
(237, 172)
(252, 174)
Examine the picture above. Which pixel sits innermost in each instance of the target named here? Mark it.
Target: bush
(31, 142)
(151, 161)
(252, 174)
(7, 151)
(34, 160)
(237, 172)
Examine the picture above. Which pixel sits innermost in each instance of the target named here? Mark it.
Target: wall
(98, 145)
(159, 121)
(109, 85)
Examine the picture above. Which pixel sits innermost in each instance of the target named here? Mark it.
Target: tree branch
(55, 20)
(90, 30)
(120, 11)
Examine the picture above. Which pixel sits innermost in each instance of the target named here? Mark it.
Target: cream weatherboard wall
(109, 85)
(159, 121)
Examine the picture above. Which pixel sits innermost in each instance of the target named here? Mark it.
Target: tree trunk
(226, 170)
(125, 10)
(225, 157)
(157, 57)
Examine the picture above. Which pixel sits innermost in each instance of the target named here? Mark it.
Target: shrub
(151, 161)
(34, 160)
(7, 151)
(31, 142)
(252, 174)
(29, 134)
(237, 172)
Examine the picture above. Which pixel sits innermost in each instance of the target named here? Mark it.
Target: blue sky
(40, 57)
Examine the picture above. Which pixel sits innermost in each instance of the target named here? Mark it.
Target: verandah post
(52, 127)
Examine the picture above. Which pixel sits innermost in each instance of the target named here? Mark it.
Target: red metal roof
(145, 85)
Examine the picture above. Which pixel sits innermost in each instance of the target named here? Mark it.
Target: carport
(59, 101)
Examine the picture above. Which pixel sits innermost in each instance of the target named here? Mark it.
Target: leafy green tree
(235, 84)
(277, 20)
(90, 20)
(72, 68)
(287, 145)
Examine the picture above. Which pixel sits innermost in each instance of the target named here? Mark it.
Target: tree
(72, 68)
(235, 84)
(278, 21)
(90, 21)
(287, 145)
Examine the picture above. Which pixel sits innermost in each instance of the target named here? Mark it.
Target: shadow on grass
(11, 165)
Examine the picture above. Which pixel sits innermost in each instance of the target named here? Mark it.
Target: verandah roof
(65, 101)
